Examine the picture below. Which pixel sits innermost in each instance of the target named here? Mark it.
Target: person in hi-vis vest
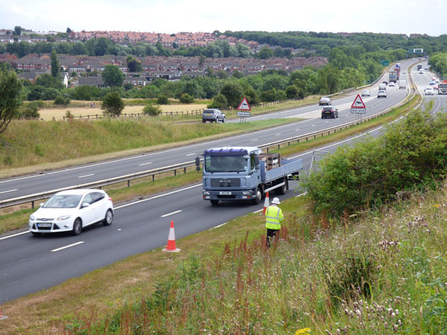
(273, 218)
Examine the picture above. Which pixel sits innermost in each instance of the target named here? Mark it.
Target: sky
(173, 16)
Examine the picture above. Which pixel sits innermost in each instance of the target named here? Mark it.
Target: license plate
(224, 193)
(44, 225)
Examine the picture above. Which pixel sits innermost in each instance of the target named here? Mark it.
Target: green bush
(162, 100)
(185, 98)
(152, 110)
(411, 155)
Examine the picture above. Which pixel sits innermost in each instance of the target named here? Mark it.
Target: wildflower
(303, 331)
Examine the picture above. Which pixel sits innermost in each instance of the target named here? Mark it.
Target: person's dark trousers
(271, 233)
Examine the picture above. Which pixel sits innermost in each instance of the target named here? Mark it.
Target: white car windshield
(63, 201)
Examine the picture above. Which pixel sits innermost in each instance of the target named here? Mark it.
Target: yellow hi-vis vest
(273, 217)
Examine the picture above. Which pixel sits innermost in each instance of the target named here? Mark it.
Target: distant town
(152, 67)
(86, 70)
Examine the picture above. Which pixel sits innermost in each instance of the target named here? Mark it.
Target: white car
(325, 101)
(429, 91)
(70, 211)
(381, 94)
(366, 93)
(391, 84)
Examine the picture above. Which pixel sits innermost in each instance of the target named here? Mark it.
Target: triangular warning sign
(244, 106)
(358, 102)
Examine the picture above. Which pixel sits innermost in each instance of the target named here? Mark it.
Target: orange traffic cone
(171, 240)
(2, 317)
(266, 203)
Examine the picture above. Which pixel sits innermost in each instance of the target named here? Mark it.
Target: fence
(133, 115)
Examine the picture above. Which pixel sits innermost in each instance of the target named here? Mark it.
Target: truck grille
(225, 182)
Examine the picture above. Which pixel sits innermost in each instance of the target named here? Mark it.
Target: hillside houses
(170, 68)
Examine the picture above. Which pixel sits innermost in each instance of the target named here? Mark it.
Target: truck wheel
(214, 202)
(283, 189)
(258, 197)
(203, 121)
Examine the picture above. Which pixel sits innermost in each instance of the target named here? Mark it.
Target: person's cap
(276, 201)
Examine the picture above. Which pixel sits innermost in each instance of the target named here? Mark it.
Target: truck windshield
(225, 164)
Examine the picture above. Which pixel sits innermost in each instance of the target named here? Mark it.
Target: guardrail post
(175, 173)
(153, 177)
(128, 183)
(32, 204)
(184, 170)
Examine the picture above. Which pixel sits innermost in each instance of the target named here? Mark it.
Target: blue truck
(245, 174)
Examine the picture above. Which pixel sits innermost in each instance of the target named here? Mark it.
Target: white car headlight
(63, 217)
(32, 217)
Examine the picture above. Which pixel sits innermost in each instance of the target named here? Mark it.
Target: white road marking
(86, 175)
(279, 134)
(254, 140)
(191, 154)
(223, 224)
(144, 163)
(67, 246)
(158, 196)
(16, 189)
(14, 235)
(172, 213)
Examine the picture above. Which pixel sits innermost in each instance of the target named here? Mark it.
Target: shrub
(113, 104)
(152, 110)
(219, 101)
(29, 111)
(60, 100)
(185, 98)
(162, 100)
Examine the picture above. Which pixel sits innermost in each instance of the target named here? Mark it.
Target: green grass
(363, 275)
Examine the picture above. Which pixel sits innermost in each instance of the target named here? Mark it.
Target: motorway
(56, 179)
(30, 264)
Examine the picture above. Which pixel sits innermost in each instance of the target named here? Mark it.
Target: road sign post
(244, 109)
(358, 106)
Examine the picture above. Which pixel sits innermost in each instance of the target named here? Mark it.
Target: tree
(68, 30)
(112, 75)
(62, 100)
(18, 30)
(233, 92)
(54, 64)
(219, 101)
(10, 97)
(113, 104)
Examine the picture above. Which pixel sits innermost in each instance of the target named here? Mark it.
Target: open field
(48, 114)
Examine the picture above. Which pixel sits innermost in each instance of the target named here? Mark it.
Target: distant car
(72, 210)
(429, 91)
(392, 84)
(385, 82)
(382, 86)
(381, 94)
(325, 101)
(437, 81)
(405, 72)
(213, 115)
(366, 93)
(432, 83)
(421, 72)
(331, 112)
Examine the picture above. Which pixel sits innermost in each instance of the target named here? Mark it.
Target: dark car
(213, 115)
(331, 112)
